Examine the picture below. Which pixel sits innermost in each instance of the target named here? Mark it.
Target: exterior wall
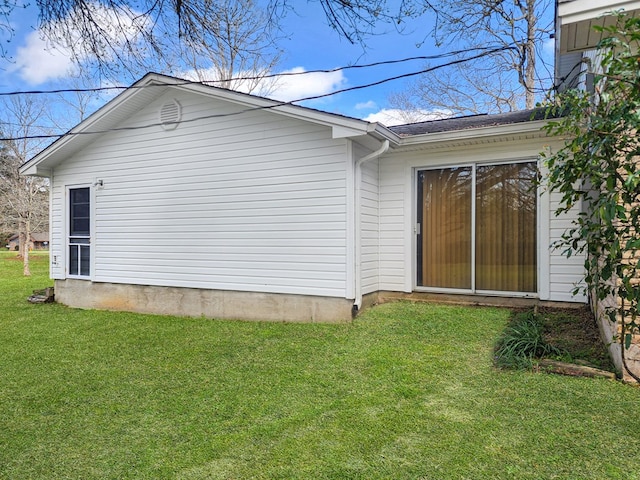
(557, 275)
(250, 202)
(564, 273)
(193, 302)
(369, 227)
(395, 218)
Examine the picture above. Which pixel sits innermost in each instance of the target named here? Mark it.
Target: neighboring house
(39, 241)
(288, 213)
(576, 40)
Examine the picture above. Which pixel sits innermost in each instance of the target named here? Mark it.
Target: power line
(489, 49)
(268, 107)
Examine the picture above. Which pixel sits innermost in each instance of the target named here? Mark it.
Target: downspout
(358, 224)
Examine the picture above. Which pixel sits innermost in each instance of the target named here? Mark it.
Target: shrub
(522, 341)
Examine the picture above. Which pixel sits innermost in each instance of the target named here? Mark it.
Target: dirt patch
(576, 334)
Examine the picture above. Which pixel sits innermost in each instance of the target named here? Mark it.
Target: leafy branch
(598, 169)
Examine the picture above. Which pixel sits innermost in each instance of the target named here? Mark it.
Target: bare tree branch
(24, 201)
(504, 81)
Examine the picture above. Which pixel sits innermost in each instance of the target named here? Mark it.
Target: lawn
(406, 391)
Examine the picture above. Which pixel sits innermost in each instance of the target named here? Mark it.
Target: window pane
(79, 211)
(80, 226)
(84, 259)
(80, 195)
(506, 247)
(73, 260)
(446, 228)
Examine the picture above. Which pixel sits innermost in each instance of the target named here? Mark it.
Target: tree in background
(119, 40)
(602, 156)
(24, 201)
(241, 51)
(511, 78)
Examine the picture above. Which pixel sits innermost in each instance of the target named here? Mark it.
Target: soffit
(577, 19)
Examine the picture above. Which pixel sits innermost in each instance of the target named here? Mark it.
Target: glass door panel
(506, 249)
(444, 241)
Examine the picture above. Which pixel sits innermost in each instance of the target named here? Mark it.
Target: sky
(309, 44)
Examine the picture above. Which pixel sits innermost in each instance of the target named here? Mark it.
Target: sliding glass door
(477, 228)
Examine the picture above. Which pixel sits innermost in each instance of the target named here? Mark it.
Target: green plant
(598, 168)
(522, 341)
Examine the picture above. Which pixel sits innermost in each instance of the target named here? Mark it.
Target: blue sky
(310, 44)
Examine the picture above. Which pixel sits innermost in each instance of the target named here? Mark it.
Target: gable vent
(170, 115)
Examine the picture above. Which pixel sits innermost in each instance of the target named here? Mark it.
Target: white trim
(487, 293)
(474, 168)
(476, 134)
(351, 275)
(358, 216)
(409, 222)
(544, 234)
(66, 235)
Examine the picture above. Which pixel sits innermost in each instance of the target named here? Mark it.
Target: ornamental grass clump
(522, 342)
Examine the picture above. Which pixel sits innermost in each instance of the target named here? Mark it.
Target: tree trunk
(22, 238)
(530, 69)
(25, 256)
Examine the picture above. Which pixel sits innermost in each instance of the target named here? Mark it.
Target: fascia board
(580, 10)
(99, 119)
(342, 127)
(474, 133)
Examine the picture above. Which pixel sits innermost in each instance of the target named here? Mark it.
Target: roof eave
(43, 162)
(475, 134)
(342, 127)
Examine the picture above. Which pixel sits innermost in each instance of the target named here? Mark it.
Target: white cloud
(366, 105)
(282, 86)
(36, 62)
(393, 116)
(303, 85)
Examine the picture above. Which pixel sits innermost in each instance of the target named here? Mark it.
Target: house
(576, 57)
(288, 213)
(39, 241)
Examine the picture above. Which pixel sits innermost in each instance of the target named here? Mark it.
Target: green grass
(407, 391)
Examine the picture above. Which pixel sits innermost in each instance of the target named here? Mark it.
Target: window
(478, 228)
(79, 231)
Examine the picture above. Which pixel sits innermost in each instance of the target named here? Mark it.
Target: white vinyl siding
(57, 242)
(564, 273)
(369, 227)
(393, 224)
(249, 202)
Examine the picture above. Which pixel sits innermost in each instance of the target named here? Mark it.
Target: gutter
(358, 224)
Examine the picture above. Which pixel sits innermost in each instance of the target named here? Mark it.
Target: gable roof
(153, 85)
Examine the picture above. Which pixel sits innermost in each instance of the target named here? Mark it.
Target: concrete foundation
(192, 302)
